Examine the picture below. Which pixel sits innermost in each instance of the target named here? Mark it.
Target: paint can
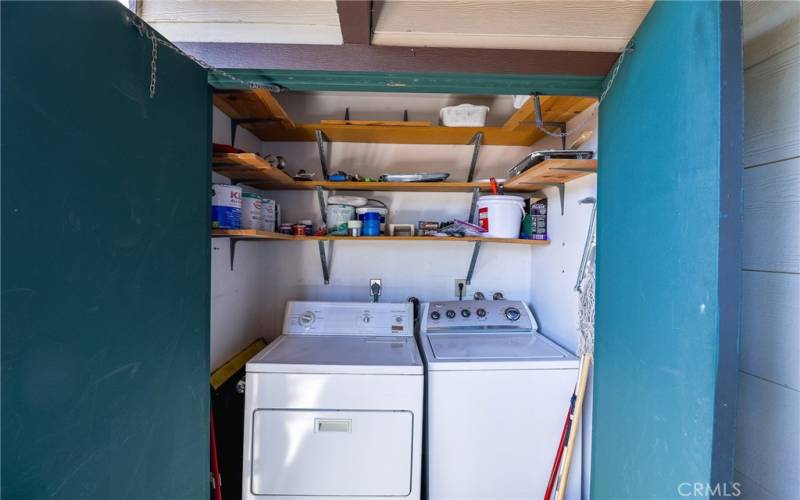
(268, 215)
(251, 211)
(226, 206)
(371, 224)
(337, 217)
(309, 226)
(381, 211)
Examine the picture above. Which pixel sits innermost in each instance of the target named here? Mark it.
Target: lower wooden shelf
(252, 234)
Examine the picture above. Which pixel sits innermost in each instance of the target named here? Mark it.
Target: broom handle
(586, 361)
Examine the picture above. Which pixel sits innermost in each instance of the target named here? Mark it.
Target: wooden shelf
(258, 111)
(252, 234)
(251, 169)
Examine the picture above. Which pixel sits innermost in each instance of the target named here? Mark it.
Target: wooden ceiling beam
(373, 58)
(355, 19)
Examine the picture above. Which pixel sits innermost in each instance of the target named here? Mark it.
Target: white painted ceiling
(602, 26)
(580, 25)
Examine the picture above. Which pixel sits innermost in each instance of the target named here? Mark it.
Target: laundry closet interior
(594, 139)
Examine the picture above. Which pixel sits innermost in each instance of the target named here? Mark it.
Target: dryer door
(347, 453)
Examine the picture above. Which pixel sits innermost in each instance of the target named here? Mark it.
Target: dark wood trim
(729, 287)
(355, 18)
(373, 58)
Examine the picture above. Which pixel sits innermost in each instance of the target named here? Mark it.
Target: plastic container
(371, 224)
(251, 211)
(500, 216)
(285, 228)
(268, 215)
(354, 226)
(226, 206)
(383, 212)
(463, 115)
(338, 216)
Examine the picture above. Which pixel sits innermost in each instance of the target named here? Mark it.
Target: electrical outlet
(463, 292)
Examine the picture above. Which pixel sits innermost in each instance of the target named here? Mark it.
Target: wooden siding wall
(768, 436)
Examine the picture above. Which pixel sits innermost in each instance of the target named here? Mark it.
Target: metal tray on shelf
(422, 177)
(537, 157)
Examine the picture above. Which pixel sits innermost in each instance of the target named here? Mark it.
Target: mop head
(586, 308)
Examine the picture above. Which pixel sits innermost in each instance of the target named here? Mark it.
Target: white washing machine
(497, 397)
(333, 407)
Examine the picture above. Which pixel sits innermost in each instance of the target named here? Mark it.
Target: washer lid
(496, 351)
(338, 354)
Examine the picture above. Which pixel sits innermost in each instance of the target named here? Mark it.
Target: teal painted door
(105, 259)
(667, 312)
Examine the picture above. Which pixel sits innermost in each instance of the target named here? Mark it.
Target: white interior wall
(278, 271)
(236, 296)
(554, 268)
(768, 422)
(426, 270)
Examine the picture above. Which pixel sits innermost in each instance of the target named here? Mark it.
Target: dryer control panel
(482, 316)
(348, 318)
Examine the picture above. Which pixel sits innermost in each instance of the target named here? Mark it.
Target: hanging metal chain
(148, 32)
(153, 63)
(577, 128)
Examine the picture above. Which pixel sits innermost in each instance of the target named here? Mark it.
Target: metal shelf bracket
(476, 192)
(323, 160)
(476, 140)
(326, 261)
(232, 252)
(561, 191)
(235, 122)
(541, 124)
(475, 251)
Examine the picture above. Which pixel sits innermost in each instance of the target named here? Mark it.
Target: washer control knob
(435, 315)
(465, 313)
(307, 318)
(451, 313)
(512, 313)
(481, 312)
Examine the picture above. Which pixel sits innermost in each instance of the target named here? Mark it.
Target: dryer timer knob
(512, 313)
(307, 318)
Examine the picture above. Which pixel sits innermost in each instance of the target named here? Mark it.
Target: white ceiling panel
(251, 21)
(603, 26)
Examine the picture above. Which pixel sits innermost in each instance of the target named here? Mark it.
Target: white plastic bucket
(337, 217)
(500, 216)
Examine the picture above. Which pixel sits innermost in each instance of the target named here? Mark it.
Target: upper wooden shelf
(258, 111)
(251, 169)
(252, 234)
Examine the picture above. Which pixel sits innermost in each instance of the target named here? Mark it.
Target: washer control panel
(477, 316)
(348, 318)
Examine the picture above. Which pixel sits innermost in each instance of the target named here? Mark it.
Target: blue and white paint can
(226, 206)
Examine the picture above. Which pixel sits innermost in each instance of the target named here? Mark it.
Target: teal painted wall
(448, 83)
(105, 259)
(658, 261)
